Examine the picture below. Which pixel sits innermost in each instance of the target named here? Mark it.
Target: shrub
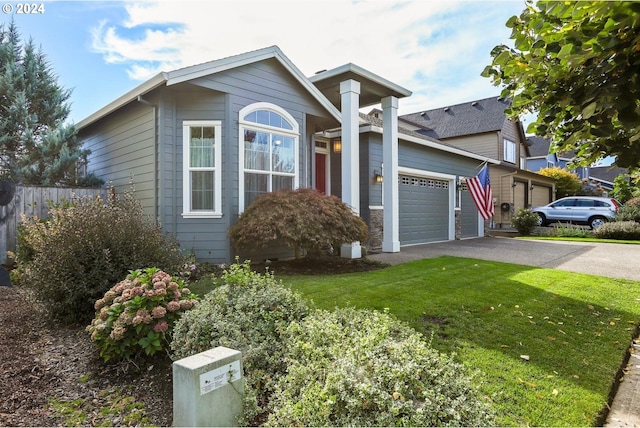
(364, 368)
(525, 221)
(247, 312)
(136, 316)
(567, 183)
(628, 212)
(618, 230)
(72, 258)
(635, 202)
(571, 231)
(304, 219)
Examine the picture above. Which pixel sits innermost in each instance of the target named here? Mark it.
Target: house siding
(418, 157)
(123, 151)
(485, 144)
(510, 131)
(221, 97)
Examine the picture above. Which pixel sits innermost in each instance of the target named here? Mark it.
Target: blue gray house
(202, 142)
(597, 178)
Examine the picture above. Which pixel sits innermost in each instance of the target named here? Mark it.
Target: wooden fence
(32, 200)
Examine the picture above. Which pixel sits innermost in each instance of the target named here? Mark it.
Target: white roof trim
(208, 68)
(433, 145)
(362, 72)
(149, 85)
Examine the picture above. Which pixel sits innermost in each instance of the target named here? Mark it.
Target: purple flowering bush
(136, 316)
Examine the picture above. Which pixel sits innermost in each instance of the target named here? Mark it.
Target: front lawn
(548, 343)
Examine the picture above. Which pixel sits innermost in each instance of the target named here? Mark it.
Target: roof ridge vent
(475, 103)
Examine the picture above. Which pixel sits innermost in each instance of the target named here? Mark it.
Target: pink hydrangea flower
(158, 312)
(161, 327)
(158, 285)
(177, 294)
(173, 306)
(186, 291)
(173, 286)
(118, 333)
(186, 304)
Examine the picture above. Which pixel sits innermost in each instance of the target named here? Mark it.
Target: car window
(601, 204)
(565, 203)
(585, 202)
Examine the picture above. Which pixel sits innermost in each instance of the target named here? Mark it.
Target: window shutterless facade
(268, 151)
(202, 169)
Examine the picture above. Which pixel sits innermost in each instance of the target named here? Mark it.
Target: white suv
(589, 210)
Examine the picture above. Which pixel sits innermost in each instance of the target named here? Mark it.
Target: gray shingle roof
(474, 117)
(606, 173)
(538, 146)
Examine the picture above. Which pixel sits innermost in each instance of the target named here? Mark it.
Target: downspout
(156, 191)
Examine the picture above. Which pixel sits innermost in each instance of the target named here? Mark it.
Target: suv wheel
(542, 220)
(596, 222)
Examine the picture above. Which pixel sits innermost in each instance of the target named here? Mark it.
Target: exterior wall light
(377, 177)
(337, 146)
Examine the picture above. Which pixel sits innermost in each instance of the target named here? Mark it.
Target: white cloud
(436, 49)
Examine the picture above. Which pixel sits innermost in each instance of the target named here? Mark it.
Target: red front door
(321, 172)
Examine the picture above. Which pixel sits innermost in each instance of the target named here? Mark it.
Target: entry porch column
(350, 93)
(391, 223)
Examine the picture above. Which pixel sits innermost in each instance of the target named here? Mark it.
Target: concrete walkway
(611, 260)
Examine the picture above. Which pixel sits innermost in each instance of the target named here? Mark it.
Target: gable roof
(468, 118)
(376, 125)
(606, 173)
(196, 71)
(373, 87)
(538, 146)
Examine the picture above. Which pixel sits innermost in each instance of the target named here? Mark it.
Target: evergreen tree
(36, 145)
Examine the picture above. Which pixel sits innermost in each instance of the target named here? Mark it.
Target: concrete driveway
(611, 260)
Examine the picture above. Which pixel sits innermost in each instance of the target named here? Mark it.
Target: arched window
(268, 152)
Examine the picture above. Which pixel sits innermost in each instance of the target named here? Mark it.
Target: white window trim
(186, 170)
(506, 144)
(242, 124)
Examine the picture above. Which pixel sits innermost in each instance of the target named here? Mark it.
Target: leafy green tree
(567, 183)
(577, 64)
(622, 188)
(36, 145)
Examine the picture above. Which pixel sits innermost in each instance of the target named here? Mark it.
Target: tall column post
(350, 96)
(391, 223)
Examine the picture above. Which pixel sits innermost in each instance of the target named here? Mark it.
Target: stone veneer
(375, 229)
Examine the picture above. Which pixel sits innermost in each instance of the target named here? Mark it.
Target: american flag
(480, 189)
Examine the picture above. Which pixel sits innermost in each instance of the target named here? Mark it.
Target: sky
(102, 49)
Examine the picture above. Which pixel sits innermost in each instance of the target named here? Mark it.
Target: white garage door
(424, 209)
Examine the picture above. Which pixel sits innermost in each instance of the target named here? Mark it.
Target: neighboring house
(482, 127)
(202, 142)
(599, 178)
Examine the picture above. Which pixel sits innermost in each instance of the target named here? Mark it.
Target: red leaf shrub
(304, 219)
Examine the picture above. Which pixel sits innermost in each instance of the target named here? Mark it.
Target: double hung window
(509, 151)
(202, 189)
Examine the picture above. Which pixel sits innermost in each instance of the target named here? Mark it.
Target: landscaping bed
(46, 371)
(52, 376)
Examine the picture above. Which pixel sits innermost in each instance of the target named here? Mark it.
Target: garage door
(469, 214)
(424, 210)
(540, 195)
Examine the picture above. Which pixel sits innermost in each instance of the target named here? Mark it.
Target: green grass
(574, 329)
